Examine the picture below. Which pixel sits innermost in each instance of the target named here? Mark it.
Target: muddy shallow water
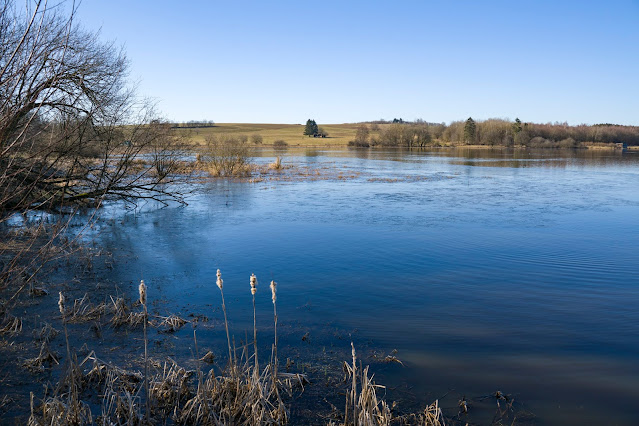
(484, 270)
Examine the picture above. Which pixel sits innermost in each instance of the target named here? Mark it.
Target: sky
(350, 61)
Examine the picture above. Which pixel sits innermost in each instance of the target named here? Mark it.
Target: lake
(485, 270)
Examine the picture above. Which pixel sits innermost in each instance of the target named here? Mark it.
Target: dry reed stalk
(61, 306)
(220, 284)
(147, 414)
(354, 389)
(253, 282)
(273, 287)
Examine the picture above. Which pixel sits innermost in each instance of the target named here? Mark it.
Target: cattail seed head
(219, 281)
(273, 291)
(61, 303)
(142, 292)
(353, 352)
(253, 284)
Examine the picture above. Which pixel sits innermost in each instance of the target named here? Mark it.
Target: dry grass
(277, 164)
(244, 392)
(10, 325)
(365, 408)
(338, 134)
(45, 359)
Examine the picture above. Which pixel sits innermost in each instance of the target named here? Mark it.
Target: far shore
(339, 135)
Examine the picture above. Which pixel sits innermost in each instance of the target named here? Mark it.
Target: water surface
(485, 270)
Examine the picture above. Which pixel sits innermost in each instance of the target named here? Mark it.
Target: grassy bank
(292, 134)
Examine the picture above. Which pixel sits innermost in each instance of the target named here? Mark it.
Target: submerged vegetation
(242, 392)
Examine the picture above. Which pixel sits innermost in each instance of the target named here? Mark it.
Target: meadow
(292, 134)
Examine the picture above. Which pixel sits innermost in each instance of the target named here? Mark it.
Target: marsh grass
(244, 392)
(368, 409)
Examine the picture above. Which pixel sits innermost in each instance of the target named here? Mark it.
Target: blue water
(485, 270)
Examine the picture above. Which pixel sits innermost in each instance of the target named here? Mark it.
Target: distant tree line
(491, 132)
(193, 124)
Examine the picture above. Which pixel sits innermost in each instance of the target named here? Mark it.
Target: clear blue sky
(349, 61)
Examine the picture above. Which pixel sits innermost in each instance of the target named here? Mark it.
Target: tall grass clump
(277, 164)
(365, 408)
(244, 392)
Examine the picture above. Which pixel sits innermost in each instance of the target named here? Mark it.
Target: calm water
(485, 270)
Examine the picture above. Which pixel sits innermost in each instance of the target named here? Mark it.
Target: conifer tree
(470, 129)
(311, 128)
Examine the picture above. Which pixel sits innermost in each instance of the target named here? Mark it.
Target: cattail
(253, 284)
(61, 303)
(354, 385)
(219, 281)
(273, 291)
(142, 292)
(253, 291)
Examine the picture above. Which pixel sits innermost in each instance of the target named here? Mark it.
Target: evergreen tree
(311, 128)
(470, 129)
(517, 126)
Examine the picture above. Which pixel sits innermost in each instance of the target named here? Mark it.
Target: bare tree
(72, 131)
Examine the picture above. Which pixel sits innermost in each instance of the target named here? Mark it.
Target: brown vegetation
(226, 155)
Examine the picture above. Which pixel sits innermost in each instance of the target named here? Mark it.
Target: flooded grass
(205, 389)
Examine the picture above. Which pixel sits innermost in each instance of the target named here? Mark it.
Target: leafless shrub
(257, 139)
(227, 155)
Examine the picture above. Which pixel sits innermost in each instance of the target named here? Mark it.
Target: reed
(273, 287)
(147, 414)
(220, 284)
(354, 388)
(370, 410)
(240, 394)
(253, 282)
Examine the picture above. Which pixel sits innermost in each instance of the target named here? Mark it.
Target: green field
(292, 134)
